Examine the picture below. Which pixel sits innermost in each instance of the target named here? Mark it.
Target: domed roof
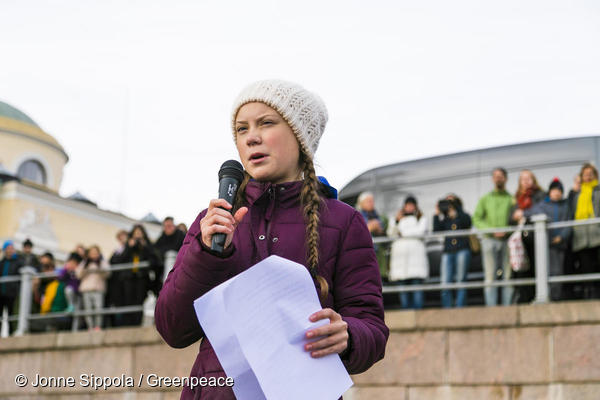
(6, 110)
(15, 121)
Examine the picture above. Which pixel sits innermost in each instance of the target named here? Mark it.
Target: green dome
(8, 111)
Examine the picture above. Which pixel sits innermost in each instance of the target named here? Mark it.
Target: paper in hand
(256, 323)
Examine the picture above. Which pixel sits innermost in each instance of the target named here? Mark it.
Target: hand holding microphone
(218, 224)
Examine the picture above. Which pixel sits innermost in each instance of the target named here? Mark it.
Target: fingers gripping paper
(256, 323)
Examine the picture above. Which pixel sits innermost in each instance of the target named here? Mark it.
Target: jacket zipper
(270, 206)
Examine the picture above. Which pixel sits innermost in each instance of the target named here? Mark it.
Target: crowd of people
(572, 250)
(86, 280)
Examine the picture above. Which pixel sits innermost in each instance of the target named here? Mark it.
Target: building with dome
(31, 172)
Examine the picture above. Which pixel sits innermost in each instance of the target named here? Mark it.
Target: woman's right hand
(218, 220)
(400, 215)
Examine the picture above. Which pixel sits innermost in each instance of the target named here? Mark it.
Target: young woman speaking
(281, 208)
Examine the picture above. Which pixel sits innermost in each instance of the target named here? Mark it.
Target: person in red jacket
(282, 209)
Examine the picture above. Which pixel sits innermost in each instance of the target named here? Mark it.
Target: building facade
(30, 206)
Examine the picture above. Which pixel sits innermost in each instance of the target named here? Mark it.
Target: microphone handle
(228, 187)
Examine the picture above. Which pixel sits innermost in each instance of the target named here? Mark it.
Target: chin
(262, 178)
(259, 174)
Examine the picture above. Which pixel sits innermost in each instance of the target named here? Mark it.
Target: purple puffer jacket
(274, 225)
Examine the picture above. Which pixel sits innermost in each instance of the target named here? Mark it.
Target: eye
(240, 129)
(268, 122)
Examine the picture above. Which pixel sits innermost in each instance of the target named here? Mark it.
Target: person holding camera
(408, 263)
(456, 257)
(136, 281)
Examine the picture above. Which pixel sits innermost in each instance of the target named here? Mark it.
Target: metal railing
(541, 280)
(26, 279)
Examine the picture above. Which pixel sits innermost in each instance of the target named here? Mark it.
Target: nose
(253, 136)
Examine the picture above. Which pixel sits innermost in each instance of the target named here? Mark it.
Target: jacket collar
(286, 194)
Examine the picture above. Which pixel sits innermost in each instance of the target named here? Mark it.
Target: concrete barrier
(549, 351)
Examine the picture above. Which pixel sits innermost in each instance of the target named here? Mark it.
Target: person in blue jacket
(557, 209)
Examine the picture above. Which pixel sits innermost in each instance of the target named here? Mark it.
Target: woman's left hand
(336, 334)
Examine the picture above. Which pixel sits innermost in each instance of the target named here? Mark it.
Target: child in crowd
(69, 278)
(557, 209)
(93, 273)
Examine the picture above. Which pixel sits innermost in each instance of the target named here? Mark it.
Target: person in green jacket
(493, 211)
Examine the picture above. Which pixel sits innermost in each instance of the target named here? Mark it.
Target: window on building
(33, 171)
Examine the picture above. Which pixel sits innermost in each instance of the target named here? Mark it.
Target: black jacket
(31, 260)
(172, 242)
(152, 277)
(10, 289)
(462, 221)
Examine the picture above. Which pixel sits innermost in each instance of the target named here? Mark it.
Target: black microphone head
(232, 169)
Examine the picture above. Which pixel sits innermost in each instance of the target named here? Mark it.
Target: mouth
(257, 158)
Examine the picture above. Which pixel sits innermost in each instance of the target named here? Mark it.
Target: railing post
(4, 323)
(170, 257)
(25, 298)
(541, 258)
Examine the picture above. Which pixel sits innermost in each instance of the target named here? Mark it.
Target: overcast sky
(139, 92)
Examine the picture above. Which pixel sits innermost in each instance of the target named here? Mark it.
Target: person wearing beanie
(556, 209)
(282, 209)
(408, 257)
(556, 184)
(10, 264)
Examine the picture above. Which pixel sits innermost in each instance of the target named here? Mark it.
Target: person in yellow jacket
(586, 238)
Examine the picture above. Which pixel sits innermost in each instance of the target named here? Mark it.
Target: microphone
(231, 175)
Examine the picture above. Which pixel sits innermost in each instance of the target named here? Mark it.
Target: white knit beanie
(304, 111)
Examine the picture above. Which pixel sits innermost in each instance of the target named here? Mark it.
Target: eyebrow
(263, 116)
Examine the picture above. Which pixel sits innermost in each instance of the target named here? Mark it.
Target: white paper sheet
(256, 323)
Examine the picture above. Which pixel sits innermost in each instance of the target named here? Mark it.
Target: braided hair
(310, 200)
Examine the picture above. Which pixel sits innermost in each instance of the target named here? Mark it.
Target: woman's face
(409, 208)
(137, 234)
(368, 203)
(588, 175)
(555, 194)
(122, 237)
(526, 180)
(93, 253)
(267, 145)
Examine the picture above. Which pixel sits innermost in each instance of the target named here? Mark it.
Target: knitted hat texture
(556, 184)
(304, 111)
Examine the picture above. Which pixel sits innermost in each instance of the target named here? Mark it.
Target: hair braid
(240, 197)
(311, 202)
